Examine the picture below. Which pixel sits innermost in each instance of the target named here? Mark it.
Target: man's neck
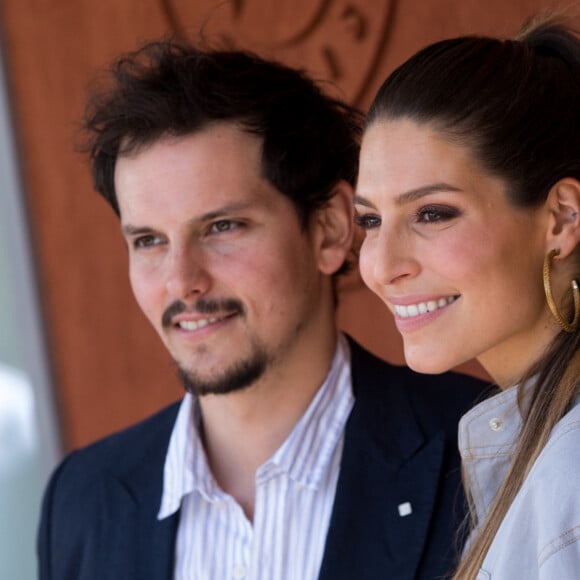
(242, 430)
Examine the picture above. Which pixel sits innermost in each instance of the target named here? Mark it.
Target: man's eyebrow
(224, 211)
(130, 230)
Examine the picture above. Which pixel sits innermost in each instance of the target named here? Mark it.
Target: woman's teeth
(422, 307)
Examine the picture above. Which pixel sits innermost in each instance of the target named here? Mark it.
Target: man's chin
(237, 378)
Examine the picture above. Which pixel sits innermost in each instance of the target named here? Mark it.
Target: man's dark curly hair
(309, 140)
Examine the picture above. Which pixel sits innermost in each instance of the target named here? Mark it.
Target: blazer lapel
(139, 546)
(387, 484)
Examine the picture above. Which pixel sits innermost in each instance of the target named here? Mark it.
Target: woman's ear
(564, 206)
(334, 227)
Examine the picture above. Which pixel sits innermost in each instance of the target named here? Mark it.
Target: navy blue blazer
(99, 514)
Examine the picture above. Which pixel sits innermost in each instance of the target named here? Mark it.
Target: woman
(469, 194)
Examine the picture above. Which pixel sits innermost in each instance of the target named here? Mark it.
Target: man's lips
(200, 314)
(191, 324)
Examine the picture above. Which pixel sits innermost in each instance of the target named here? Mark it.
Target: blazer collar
(142, 546)
(389, 467)
(383, 407)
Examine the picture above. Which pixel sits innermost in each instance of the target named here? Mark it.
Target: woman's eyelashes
(435, 213)
(367, 221)
(428, 214)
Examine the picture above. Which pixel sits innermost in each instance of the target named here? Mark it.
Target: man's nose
(187, 273)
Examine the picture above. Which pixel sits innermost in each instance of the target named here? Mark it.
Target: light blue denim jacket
(539, 538)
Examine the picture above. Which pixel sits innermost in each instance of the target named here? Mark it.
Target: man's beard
(236, 378)
(240, 375)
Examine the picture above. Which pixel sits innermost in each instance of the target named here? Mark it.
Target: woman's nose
(388, 259)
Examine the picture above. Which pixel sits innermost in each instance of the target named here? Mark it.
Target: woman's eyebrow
(358, 200)
(412, 194)
(419, 192)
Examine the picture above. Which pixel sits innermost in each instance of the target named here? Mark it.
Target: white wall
(29, 440)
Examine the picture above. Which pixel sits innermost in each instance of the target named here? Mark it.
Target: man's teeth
(422, 307)
(196, 324)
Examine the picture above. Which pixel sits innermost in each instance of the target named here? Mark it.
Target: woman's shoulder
(551, 487)
(543, 523)
(554, 496)
(560, 458)
(566, 434)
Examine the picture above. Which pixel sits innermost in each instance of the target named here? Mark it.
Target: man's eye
(224, 226)
(367, 221)
(434, 214)
(147, 241)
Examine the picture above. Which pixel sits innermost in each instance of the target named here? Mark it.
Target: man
(295, 454)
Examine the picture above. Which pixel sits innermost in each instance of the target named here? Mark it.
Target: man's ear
(334, 227)
(564, 206)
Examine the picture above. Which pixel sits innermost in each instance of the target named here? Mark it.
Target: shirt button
(495, 424)
(239, 573)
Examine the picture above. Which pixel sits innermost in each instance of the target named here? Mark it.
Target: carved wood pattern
(334, 40)
(109, 366)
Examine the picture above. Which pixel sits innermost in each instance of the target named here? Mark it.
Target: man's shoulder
(447, 395)
(93, 497)
(122, 451)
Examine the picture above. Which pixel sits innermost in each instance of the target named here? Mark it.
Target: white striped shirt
(295, 492)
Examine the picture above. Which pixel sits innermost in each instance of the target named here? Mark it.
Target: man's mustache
(202, 306)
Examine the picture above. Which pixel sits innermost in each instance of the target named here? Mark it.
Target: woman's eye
(367, 221)
(434, 214)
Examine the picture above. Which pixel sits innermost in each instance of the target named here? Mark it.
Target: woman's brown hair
(515, 105)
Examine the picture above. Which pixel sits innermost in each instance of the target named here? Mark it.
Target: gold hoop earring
(567, 326)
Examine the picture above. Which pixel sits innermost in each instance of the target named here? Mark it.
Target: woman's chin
(428, 364)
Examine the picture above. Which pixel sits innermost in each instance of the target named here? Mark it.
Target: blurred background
(77, 358)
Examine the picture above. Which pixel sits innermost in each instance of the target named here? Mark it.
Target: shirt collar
(488, 434)
(306, 453)
(304, 456)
